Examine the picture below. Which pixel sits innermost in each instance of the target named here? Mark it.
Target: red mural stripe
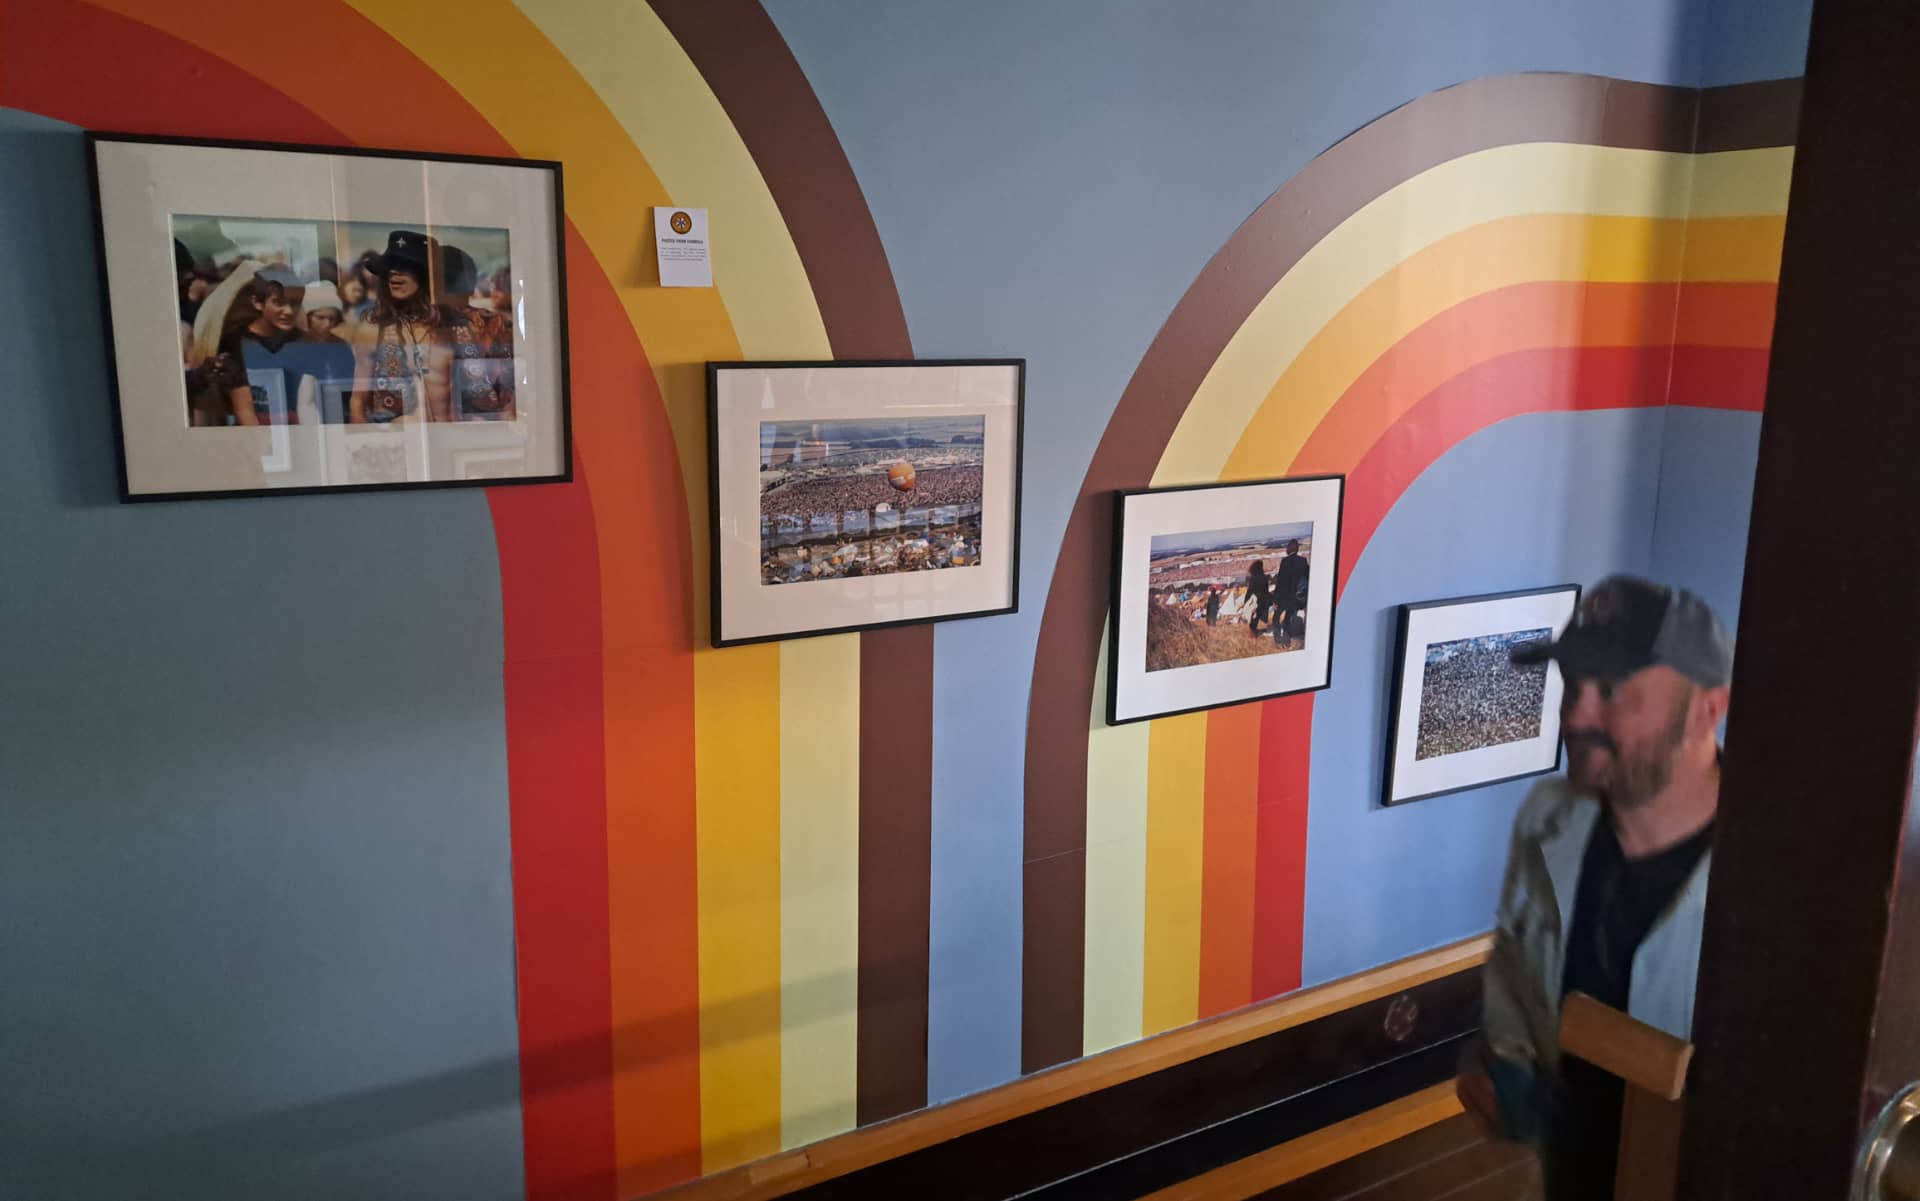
(1280, 853)
(157, 83)
(555, 769)
(1228, 858)
(550, 584)
(1544, 380)
(1544, 313)
(1720, 377)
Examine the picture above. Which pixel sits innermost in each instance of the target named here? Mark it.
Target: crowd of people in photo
(414, 332)
(845, 493)
(1473, 695)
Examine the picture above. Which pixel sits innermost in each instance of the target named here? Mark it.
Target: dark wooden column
(1810, 970)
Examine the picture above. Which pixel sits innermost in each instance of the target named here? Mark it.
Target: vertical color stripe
(1280, 854)
(1176, 810)
(1116, 875)
(819, 885)
(1228, 857)
(896, 852)
(739, 889)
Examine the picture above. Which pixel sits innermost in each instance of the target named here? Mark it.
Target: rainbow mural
(721, 874)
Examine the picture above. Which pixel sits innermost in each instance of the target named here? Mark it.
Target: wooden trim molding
(1303, 1156)
(804, 1167)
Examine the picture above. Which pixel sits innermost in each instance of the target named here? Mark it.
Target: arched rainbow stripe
(684, 1004)
(1558, 245)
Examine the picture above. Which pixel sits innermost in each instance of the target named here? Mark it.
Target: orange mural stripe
(1725, 314)
(1534, 314)
(1230, 841)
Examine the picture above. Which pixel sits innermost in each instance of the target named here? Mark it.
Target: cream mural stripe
(1176, 816)
(819, 885)
(1116, 918)
(554, 114)
(660, 98)
(1446, 200)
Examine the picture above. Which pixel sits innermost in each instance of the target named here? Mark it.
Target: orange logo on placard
(680, 222)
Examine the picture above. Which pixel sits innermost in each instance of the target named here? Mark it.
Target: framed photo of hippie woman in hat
(297, 319)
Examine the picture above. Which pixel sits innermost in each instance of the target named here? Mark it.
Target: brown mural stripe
(1747, 116)
(740, 53)
(1420, 135)
(753, 74)
(896, 870)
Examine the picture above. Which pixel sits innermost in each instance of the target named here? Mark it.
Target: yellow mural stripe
(650, 86)
(553, 113)
(1176, 808)
(1473, 190)
(1116, 916)
(819, 885)
(738, 866)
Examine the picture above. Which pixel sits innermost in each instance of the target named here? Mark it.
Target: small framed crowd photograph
(298, 319)
(1462, 713)
(855, 495)
(1222, 593)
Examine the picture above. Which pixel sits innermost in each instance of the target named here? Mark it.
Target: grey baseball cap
(1625, 623)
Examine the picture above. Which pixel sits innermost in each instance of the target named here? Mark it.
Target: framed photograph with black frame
(287, 319)
(1462, 714)
(1222, 593)
(858, 495)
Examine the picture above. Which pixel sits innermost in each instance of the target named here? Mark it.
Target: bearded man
(1606, 879)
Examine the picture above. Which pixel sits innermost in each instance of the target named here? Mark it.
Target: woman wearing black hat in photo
(402, 351)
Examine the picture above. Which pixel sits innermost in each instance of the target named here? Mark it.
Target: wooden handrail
(1642, 1055)
(1654, 1066)
(802, 1167)
(1303, 1156)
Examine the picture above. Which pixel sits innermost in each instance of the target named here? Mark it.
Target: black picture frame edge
(92, 139)
(715, 366)
(1120, 498)
(1403, 625)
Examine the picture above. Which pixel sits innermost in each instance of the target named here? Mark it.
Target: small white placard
(680, 241)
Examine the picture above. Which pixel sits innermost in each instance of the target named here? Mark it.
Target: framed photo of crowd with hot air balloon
(1222, 593)
(858, 495)
(287, 319)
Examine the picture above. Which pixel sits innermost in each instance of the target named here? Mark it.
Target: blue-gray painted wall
(254, 860)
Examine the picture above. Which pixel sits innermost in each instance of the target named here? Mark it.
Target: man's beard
(1631, 779)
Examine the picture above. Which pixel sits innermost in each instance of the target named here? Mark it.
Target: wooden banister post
(1653, 1064)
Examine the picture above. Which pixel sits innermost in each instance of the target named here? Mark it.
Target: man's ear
(1710, 706)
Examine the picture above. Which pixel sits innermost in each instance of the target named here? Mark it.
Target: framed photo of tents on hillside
(855, 495)
(1222, 593)
(1462, 713)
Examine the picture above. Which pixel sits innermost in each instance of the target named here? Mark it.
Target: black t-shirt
(1618, 901)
